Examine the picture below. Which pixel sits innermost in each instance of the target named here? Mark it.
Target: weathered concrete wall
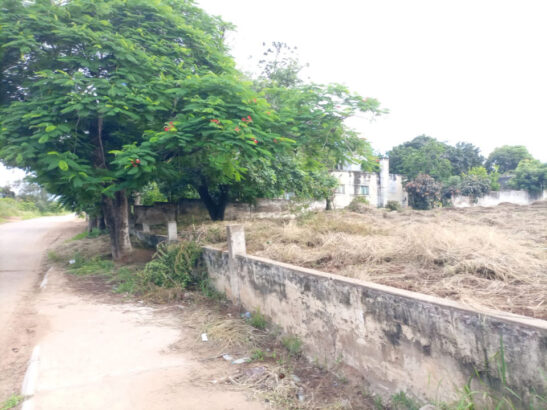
(263, 208)
(399, 340)
(149, 240)
(395, 190)
(159, 213)
(497, 197)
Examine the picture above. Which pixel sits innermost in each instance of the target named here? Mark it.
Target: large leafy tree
(313, 116)
(422, 155)
(464, 156)
(507, 158)
(237, 141)
(219, 142)
(82, 79)
(530, 175)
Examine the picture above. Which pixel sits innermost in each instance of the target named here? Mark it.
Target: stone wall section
(398, 340)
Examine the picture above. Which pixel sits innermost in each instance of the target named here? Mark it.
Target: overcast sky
(461, 70)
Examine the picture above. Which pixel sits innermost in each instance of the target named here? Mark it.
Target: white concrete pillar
(172, 230)
(236, 240)
(145, 228)
(384, 182)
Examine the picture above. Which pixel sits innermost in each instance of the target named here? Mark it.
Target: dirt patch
(272, 374)
(493, 258)
(272, 377)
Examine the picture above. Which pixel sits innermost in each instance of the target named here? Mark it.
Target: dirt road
(88, 352)
(22, 246)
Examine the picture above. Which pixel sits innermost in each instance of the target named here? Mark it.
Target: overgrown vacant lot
(488, 257)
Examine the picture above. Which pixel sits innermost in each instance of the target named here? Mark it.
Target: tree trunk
(215, 206)
(116, 212)
(329, 206)
(100, 222)
(91, 223)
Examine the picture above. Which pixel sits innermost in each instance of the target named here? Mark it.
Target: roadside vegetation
(13, 209)
(12, 402)
(31, 201)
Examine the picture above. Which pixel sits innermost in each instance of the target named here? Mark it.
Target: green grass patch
(293, 344)
(84, 235)
(258, 320)
(258, 355)
(400, 401)
(54, 257)
(13, 401)
(125, 280)
(93, 266)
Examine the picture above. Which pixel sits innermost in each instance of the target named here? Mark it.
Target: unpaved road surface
(22, 248)
(90, 352)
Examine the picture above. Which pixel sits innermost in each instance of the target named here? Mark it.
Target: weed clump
(359, 204)
(293, 344)
(393, 205)
(174, 266)
(258, 320)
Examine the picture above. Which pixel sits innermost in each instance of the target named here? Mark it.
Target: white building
(378, 188)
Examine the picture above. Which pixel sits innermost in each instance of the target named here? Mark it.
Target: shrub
(174, 266)
(393, 205)
(475, 186)
(530, 175)
(359, 204)
(423, 192)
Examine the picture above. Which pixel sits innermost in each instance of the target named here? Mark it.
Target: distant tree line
(435, 170)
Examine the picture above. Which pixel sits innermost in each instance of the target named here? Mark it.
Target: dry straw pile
(485, 257)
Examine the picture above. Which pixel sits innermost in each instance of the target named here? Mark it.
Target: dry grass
(228, 334)
(485, 257)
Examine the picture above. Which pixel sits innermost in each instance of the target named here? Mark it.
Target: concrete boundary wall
(398, 340)
(495, 198)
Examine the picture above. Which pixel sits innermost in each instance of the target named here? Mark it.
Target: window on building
(363, 190)
(340, 189)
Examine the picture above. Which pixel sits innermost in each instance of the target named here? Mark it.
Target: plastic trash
(227, 357)
(246, 315)
(241, 361)
(204, 337)
(72, 261)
